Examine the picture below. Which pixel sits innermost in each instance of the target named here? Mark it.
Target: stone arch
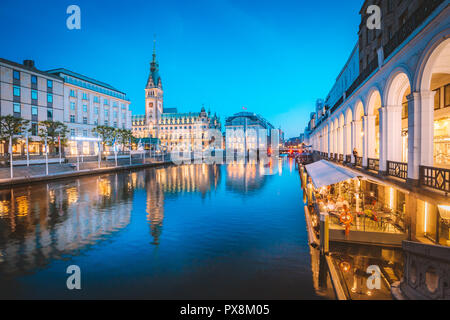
(336, 136)
(398, 88)
(348, 116)
(331, 131)
(431, 80)
(348, 131)
(398, 83)
(341, 134)
(423, 74)
(358, 110)
(372, 123)
(373, 101)
(358, 135)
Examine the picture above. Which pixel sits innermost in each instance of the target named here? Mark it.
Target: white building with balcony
(393, 120)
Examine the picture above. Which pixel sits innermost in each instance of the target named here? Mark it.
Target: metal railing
(305, 159)
(358, 162)
(373, 164)
(435, 178)
(341, 158)
(348, 159)
(398, 169)
(366, 224)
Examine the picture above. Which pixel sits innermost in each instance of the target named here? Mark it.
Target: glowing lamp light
(444, 211)
(391, 198)
(345, 266)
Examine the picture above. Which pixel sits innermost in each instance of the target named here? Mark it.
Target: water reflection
(250, 177)
(191, 218)
(42, 222)
(46, 221)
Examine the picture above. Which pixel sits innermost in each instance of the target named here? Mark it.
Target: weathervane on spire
(153, 63)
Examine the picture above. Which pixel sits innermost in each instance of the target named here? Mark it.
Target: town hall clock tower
(153, 98)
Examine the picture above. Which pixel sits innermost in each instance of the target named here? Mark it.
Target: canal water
(187, 232)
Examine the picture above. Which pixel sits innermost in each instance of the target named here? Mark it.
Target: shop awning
(324, 173)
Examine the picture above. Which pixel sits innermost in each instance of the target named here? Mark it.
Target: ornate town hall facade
(170, 127)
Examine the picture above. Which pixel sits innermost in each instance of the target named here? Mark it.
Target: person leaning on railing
(355, 153)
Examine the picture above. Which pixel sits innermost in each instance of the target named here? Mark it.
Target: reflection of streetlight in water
(359, 277)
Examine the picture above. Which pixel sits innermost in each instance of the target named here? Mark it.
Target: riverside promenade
(37, 173)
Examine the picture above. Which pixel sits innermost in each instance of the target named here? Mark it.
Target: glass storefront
(442, 142)
(434, 223)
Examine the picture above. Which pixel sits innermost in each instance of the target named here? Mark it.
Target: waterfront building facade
(89, 103)
(167, 127)
(393, 120)
(238, 126)
(188, 131)
(140, 128)
(33, 95)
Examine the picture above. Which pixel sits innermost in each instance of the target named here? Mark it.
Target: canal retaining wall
(427, 273)
(8, 183)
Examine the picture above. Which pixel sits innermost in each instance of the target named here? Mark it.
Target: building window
(85, 134)
(17, 108)
(34, 129)
(49, 114)
(49, 84)
(115, 114)
(115, 124)
(72, 93)
(34, 94)
(437, 99)
(96, 99)
(49, 97)
(106, 113)
(72, 118)
(106, 102)
(106, 123)
(72, 106)
(72, 132)
(447, 95)
(33, 79)
(85, 121)
(84, 107)
(123, 106)
(34, 111)
(16, 74)
(405, 110)
(96, 110)
(96, 122)
(16, 91)
(85, 96)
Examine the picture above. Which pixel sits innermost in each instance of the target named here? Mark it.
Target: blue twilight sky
(273, 57)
